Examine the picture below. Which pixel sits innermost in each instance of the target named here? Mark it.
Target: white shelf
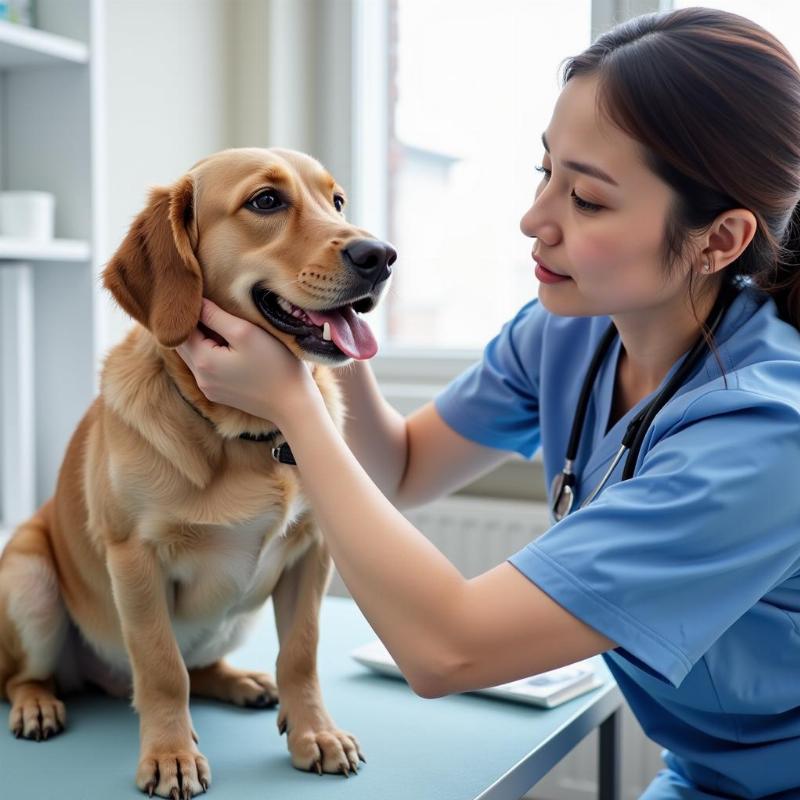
(54, 250)
(21, 46)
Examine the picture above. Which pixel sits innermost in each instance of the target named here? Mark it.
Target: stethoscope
(564, 487)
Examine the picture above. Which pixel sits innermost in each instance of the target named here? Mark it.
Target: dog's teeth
(285, 305)
(326, 331)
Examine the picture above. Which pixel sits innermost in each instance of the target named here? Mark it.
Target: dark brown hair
(715, 101)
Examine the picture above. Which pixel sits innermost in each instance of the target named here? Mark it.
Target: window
(472, 86)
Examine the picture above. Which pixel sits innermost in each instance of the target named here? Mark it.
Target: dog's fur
(167, 532)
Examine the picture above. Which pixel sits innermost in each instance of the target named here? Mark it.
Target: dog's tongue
(349, 333)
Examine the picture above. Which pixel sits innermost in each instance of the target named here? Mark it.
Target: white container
(27, 215)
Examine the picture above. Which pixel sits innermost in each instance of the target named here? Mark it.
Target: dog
(174, 519)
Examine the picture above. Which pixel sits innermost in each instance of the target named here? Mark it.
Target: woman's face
(604, 230)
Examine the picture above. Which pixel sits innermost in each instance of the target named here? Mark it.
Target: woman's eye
(338, 201)
(583, 205)
(266, 201)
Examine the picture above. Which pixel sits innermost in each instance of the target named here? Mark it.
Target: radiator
(477, 534)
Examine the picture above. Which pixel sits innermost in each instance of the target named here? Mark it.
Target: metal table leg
(609, 758)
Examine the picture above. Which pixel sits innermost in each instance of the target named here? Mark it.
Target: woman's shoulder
(754, 375)
(762, 351)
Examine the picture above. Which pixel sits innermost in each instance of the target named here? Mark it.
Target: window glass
(472, 87)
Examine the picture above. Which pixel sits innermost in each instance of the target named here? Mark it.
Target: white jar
(27, 215)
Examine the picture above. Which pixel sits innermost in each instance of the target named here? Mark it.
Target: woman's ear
(154, 275)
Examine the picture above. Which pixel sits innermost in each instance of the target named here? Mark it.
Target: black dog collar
(281, 453)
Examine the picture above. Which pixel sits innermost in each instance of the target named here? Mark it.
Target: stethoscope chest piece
(563, 494)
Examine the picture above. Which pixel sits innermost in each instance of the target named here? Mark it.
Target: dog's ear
(154, 275)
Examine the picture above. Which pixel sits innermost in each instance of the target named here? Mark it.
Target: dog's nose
(370, 258)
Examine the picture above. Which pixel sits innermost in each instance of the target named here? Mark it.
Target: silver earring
(706, 267)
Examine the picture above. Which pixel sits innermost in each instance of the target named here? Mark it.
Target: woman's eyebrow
(587, 169)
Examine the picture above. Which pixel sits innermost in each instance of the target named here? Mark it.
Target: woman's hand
(254, 372)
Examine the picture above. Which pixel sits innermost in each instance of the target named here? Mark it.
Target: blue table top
(451, 748)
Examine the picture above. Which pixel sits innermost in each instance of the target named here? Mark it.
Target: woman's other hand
(254, 371)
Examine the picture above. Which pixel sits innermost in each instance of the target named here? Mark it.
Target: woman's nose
(536, 224)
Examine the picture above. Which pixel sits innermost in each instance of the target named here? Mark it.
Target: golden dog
(175, 518)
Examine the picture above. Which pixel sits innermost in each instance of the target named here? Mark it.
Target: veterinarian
(667, 208)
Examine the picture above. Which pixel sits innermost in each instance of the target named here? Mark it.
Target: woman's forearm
(375, 432)
(409, 592)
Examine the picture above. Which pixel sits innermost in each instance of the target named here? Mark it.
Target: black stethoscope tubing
(564, 484)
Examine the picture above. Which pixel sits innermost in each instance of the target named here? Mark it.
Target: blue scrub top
(692, 566)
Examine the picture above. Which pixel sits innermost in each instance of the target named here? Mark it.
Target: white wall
(167, 103)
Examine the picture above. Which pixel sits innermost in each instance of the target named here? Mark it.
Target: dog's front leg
(170, 763)
(315, 743)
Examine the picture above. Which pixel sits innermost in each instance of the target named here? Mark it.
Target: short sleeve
(666, 561)
(496, 401)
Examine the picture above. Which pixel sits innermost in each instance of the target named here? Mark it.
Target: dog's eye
(338, 201)
(269, 200)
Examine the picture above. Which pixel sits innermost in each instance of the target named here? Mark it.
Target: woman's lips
(546, 275)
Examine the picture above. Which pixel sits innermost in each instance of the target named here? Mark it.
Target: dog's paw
(238, 686)
(252, 689)
(176, 773)
(322, 748)
(37, 714)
